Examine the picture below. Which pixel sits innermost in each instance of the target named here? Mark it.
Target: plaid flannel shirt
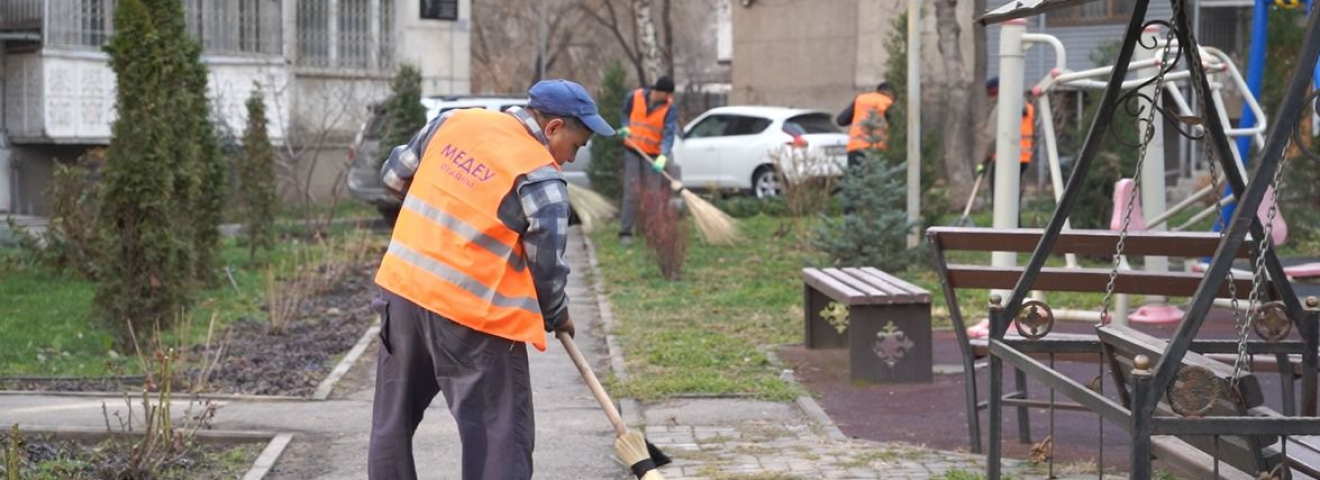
(536, 208)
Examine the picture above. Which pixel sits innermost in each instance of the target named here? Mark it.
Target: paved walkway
(709, 438)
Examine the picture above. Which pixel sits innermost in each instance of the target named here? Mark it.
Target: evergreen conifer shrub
(144, 279)
(256, 176)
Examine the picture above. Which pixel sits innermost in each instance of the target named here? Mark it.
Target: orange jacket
(450, 253)
(862, 108)
(646, 129)
(1028, 133)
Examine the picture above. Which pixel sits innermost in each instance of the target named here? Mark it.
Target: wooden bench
(1113, 344)
(883, 320)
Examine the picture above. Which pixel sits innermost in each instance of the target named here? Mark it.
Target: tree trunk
(980, 101)
(647, 44)
(667, 24)
(957, 142)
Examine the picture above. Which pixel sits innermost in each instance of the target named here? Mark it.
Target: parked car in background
(367, 153)
(748, 148)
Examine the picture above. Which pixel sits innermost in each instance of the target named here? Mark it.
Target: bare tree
(621, 31)
(503, 31)
(333, 110)
(958, 130)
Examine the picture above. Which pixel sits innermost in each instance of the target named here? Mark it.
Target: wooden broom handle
(590, 377)
(650, 160)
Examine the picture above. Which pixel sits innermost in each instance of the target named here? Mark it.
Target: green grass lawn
(707, 333)
(50, 329)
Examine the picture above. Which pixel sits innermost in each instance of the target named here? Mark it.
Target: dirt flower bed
(45, 458)
(329, 315)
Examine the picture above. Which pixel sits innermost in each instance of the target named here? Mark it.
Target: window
(1100, 11)
(712, 126)
(439, 9)
(353, 34)
(749, 125)
(810, 123)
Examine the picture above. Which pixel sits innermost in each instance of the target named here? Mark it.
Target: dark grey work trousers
(484, 379)
(637, 176)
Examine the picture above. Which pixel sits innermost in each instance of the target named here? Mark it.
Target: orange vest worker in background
(855, 116)
(650, 125)
(474, 272)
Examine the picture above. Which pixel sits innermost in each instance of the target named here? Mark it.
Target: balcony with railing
(222, 26)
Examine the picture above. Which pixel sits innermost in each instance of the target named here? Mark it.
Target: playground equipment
(1170, 388)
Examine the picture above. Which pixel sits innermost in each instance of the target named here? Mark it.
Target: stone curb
(806, 403)
(328, 384)
(322, 392)
(275, 442)
(628, 407)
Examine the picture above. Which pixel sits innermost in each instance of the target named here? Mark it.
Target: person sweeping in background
(855, 115)
(474, 272)
(650, 124)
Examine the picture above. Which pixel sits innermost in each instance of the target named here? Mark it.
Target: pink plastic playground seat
(1123, 190)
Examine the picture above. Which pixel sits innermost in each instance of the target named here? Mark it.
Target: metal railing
(228, 26)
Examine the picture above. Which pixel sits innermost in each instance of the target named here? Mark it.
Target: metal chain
(1240, 324)
(1147, 136)
(1258, 274)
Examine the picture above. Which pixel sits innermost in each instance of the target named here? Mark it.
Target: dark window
(1097, 12)
(749, 126)
(810, 123)
(712, 126)
(440, 9)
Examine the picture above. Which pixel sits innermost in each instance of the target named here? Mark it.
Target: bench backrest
(863, 286)
(1086, 242)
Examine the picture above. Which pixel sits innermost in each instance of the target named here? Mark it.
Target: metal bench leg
(1023, 413)
(1141, 427)
(993, 458)
(1286, 380)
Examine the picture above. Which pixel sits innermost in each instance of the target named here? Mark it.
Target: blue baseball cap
(567, 99)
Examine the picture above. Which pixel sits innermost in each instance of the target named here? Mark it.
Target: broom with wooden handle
(643, 458)
(591, 208)
(715, 226)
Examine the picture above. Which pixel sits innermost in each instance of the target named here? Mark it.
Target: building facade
(318, 63)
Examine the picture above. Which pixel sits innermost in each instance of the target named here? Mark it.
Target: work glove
(659, 163)
(623, 132)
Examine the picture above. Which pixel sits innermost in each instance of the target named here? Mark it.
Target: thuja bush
(256, 176)
(145, 276)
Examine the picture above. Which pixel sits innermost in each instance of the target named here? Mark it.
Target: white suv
(367, 153)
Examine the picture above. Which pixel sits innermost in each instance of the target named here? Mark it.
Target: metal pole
(1052, 155)
(1141, 428)
(1008, 135)
(1260, 24)
(1152, 171)
(914, 122)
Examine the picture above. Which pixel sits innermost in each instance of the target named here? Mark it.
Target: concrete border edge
(327, 385)
(271, 454)
(629, 408)
(805, 402)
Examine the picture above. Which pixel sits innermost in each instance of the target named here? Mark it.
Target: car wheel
(390, 213)
(765, 182)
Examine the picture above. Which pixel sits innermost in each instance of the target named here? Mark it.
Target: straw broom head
(715, 226)
(592, 208)
(633, 451)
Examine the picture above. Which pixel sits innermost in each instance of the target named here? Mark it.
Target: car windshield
(808, 123)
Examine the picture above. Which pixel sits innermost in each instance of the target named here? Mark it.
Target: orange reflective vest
(646, 129)
(1028, 134)
(862, 108)
(450, 253)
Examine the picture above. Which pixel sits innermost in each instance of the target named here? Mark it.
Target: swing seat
(1303, 271)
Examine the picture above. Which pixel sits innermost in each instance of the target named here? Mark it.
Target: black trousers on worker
(637, 177)
(484, 379)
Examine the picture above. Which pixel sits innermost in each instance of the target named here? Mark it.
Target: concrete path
(726, 439)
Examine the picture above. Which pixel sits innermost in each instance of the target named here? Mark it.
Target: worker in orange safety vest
(475, 272)
(650, 124)
(860, 135)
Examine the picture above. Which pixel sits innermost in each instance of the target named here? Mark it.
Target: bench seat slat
(830, 287)
(1089, 242)
(1061, 279)
(893, 292)
(919, 295)
(871, 294)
